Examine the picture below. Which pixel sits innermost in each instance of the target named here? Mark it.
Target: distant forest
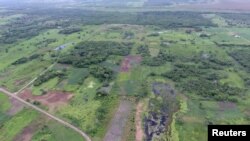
(33, 24)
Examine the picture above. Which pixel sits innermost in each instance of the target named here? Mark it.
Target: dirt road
(12, 95)
(118, 123)
(138, 121)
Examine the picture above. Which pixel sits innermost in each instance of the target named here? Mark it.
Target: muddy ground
(128, 63)
(159, 111)
(138, 121)
(52, 100)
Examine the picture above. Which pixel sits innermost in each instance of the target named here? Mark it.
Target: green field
(14, 125)
(55, 132)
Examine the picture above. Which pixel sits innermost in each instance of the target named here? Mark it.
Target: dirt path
(12, 95)
(33, 80)
(138, 121)
(118, 123)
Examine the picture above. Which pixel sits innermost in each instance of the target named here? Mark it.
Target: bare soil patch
(128, 63)
(53, 99)
(118, 123)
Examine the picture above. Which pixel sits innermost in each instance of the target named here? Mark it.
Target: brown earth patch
(226, 105)
(53, 100)
(128, 62)
(138, 121)
(16, 106)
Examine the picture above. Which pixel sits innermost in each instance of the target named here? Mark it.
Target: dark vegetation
(47, 76)
(159, 60)
(90, 54)
(69, 30)
(191, 78)
(26, 27)
(102, 73)
(211, 61)
(224, 44)
(36, 21)
(233, 19)
(242, 57)
(45, 43)
(3, 118)
(161, 108)
(247, 82)
(26, 59)
(103, 114)
(163, 19)
(94, 52)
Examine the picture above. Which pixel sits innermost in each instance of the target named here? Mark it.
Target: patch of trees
(103, 114)
(101, 73)
(242, 57)
(204, 35)
(210, 64)
(94, 52)
(210, 61)
(128, 35)
(26, 59)
(47, 76)
(45, 42)
(237, 18)
(25, 27)
(182, 71)
(70, 30)
(193, 79)
(231, 45)
(104, 90)
(143, 90)
(40, 19)
(37, 103)
(159, 60)
(208, 88)
(153, 35)
(247, 82)
(166, 19)
(143, 51)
